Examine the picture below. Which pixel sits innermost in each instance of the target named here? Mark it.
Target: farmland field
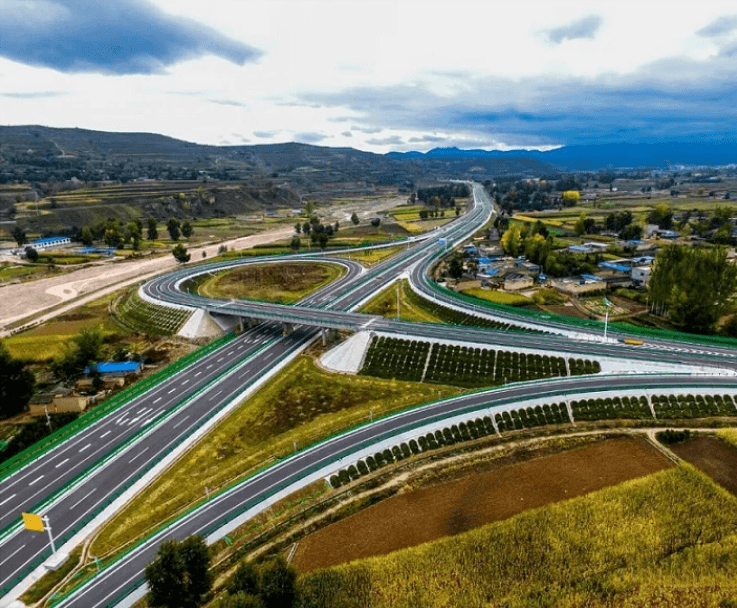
(421, 516)
(498, 297)
(667, 539)
(712, 456)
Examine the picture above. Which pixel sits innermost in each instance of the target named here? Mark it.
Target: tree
(298, 228)
(85, 348)
(662, 215)
(336, 226)
(295, 243)
(693, 287)
(240, 600)
(152, 231)
(180, 253)
(455, 267)
(86, 236)
(172, 227)
(306, 228)
(245, 579)
(375, 222)
(322, 239)
(31, 254)
(278, 584)
(187, 229)
(354, 219)
(512, 240)
(179, 576)
(16, 384)
(19, 234)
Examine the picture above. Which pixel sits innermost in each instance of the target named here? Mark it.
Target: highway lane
(95, 491)
(76, 458)
(119, 579)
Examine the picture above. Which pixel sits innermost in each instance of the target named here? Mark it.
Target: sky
(375, 75)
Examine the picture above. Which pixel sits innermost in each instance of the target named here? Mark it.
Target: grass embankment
(385, 305)
(303, 404)
(371, 257)
(152, 319)
(669, 539)
(282, 283)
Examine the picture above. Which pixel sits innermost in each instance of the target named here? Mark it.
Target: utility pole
(606, 323)
(397, 301)
(48, 419)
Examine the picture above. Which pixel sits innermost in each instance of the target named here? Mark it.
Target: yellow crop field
(729, 435)
(668, 539)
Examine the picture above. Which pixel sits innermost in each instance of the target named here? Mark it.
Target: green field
(668, 539)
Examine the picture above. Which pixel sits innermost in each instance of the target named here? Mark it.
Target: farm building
(57, 403)
(515, 282)
(640, 275)
(115, 368)
(586, 284)
(52, 242)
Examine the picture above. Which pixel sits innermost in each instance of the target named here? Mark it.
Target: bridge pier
(247, 323)
(288, 328)
(328, 335)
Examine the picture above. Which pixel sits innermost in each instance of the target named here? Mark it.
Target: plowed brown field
(451, 508)
(714, 457)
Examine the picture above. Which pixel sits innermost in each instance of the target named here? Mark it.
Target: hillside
(38, 154)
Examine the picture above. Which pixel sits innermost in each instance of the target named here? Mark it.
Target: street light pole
(48, 529)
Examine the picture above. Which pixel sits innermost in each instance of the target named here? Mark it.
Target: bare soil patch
(424, 515)
(714, 457)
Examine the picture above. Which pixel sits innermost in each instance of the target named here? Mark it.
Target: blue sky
(375, 75)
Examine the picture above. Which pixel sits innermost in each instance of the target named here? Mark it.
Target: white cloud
(447, 52)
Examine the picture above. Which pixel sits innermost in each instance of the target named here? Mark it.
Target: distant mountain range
(599, 156)
(38, 154)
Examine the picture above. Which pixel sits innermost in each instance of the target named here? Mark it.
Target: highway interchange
(75, 481)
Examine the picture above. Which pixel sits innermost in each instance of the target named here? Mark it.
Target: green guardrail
(108, 406)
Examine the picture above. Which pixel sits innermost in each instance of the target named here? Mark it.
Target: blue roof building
(120, 368)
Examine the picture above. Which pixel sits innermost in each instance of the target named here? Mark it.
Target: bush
(335, 481)
(362, 468)
(670, 436)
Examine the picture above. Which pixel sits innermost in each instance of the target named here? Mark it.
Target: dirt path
(451, 508)
(21, 300)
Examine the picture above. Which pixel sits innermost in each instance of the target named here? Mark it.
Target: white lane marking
(157, 399)
(106, 433)
(171, 391)
(198, 373)
(85, 447)
(185, 381)
(215, 395)
(7, 499)
(30, 483)
(137, 455)
(83, 498)
(145, 422)
(209, 366)
(180, 422)
(220, 359)
(11, 555)
(134, 420)
(61, 463)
